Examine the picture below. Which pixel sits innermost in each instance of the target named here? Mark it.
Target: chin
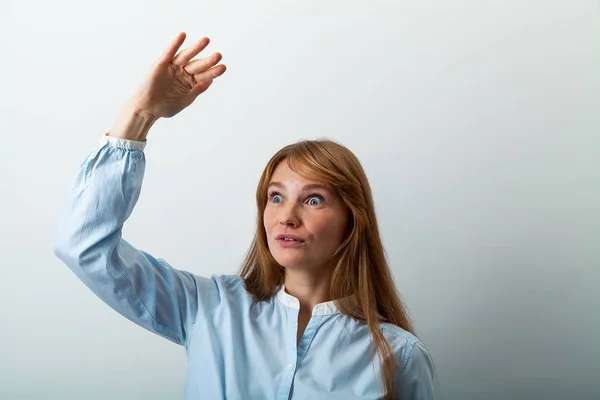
(288, 262)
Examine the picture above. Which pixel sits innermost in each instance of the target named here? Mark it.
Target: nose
(289, 217)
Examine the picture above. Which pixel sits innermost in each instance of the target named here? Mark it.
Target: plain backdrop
(476, 121)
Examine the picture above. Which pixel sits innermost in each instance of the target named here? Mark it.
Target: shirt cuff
(126, 144)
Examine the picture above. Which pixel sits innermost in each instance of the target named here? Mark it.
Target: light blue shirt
(237, 348)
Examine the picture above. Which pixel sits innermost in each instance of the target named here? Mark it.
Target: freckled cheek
(328, 230)
(269, 222)
(323, 229)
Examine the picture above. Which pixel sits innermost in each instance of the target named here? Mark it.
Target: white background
(477, 123)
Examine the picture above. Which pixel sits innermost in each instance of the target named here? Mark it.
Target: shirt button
(290, 367)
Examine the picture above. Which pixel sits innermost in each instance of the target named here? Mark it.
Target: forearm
(132, 124)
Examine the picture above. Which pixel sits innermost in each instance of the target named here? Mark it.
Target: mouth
(289, 240)
(286, 236)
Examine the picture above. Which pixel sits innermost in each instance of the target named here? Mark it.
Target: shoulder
(217, 291)
(415, 374)
(218, 283)
(232, 290)
(403, 343)
(228, 286)
(407, 347)
(231, 282)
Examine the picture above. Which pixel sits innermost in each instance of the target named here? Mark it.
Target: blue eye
(273, 196)
(314, 199)
(317, 197)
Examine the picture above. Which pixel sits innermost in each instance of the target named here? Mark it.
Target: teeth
(289, 239)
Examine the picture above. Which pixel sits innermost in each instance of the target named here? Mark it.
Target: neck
(309, 288)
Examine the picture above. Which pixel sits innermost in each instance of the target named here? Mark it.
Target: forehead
(283, 174)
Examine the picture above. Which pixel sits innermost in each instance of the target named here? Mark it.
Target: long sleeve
(416, 379)
(146, 290)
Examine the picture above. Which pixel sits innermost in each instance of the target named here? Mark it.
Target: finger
(201, 65)
(187, 54)
(212, 73)
(200, 88)
(170, 52)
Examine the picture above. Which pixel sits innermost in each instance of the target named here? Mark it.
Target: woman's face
(315, 217)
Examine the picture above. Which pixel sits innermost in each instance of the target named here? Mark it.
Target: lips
(288, 238)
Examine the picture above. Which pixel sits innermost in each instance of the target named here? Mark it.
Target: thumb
(199, 88)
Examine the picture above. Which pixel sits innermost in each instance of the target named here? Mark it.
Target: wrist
(132, 123)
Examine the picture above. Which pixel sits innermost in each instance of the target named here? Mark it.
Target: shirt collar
(288, 300)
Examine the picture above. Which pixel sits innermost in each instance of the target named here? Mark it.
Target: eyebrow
(310, 186)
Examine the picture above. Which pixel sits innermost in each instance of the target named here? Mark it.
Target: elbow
(61, 250)
(66, 248)
(80, 252)
(61, 245)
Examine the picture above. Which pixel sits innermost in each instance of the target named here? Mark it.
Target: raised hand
(175, 80)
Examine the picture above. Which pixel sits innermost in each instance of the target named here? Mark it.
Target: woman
(313, 313)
